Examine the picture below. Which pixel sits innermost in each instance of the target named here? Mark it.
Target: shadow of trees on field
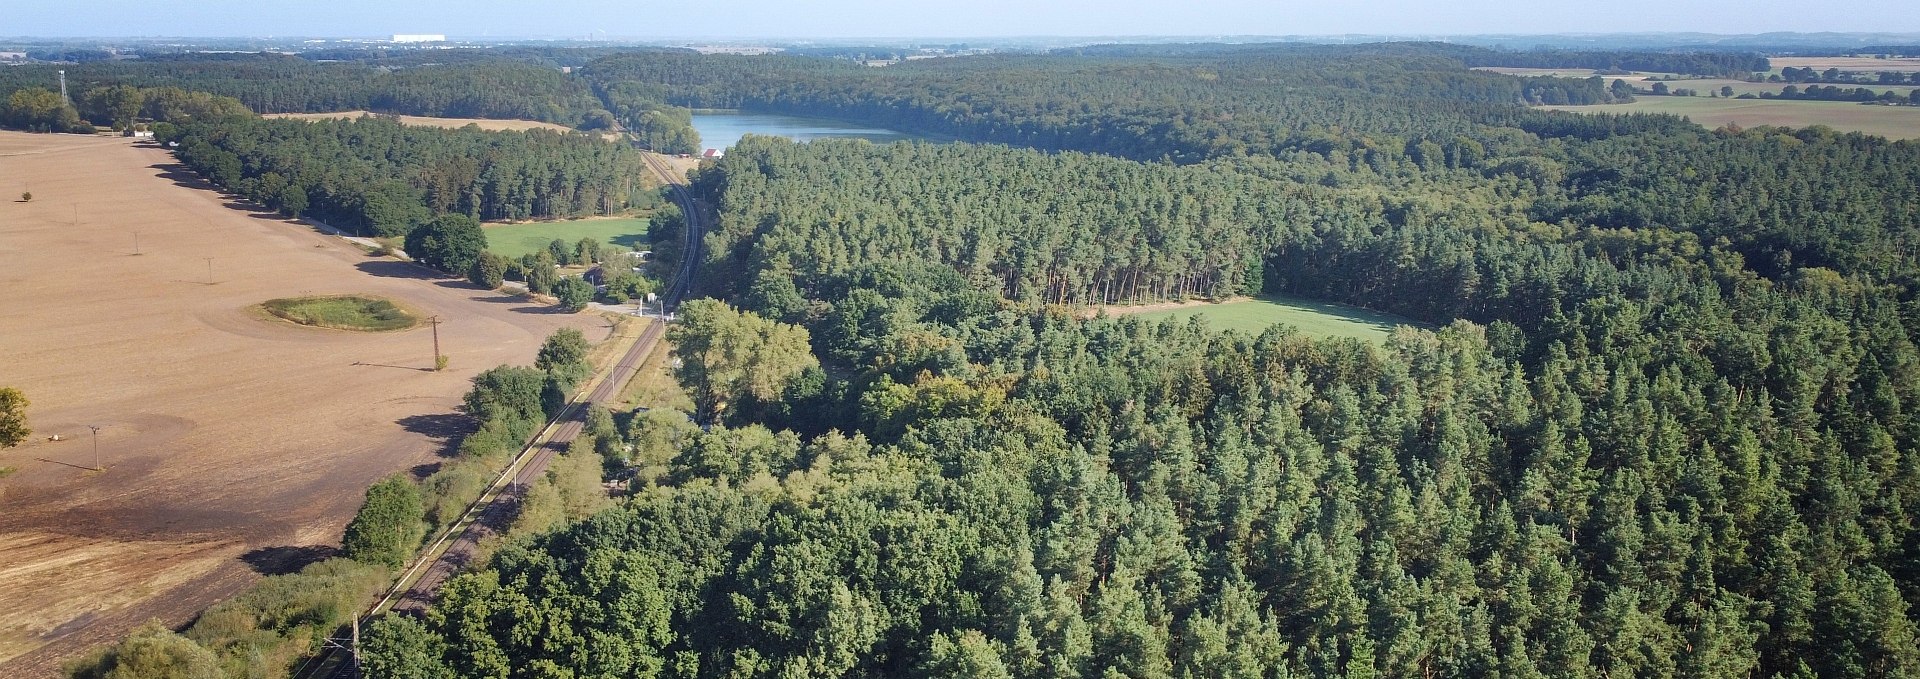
(541, 309)
(287, 558)
(446, 428)
(255, 211)
(180, 175)
(420, 472)
(387, 268)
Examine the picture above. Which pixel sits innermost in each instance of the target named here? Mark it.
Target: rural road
(495, 509)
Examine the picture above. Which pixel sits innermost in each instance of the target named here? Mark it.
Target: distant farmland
(1645, 81)
(1861, 64)
(514, 240)
(1892, 122)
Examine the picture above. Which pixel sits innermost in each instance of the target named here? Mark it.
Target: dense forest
(1662, 428)
(1145, 106)
(452, 86)
(1733, 64)
(383, 178)
(1658, 422)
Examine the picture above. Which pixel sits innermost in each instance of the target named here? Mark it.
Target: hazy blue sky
(912, 18)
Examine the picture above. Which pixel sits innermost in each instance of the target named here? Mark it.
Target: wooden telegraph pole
(96, 447)
(435, 320)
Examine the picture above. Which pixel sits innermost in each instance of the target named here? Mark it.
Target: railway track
(456, 546)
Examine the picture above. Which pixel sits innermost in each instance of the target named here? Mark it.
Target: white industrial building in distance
(419, 37)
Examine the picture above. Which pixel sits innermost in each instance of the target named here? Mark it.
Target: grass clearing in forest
(342, 312)
(514, 240)
(1892, 122)
(653, 385)
(1314, 318)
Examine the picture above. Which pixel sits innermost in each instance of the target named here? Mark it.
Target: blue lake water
(720, 130)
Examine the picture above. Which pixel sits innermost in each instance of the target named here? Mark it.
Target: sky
(644, 19)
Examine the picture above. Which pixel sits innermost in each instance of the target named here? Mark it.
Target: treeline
(1834, 75)
(654, 125)
(1837, 93)
(119, 107)
(1186, 108)
(275, 83)
(1691, 62)
(37, 109)
(509, 84)
(1718, 64)
(383, 178)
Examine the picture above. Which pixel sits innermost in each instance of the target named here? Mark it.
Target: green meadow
(1319, 319)
(514, 240)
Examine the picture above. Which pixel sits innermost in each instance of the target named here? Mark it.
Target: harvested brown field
(491, 125)
(1892, 122)
(1865, 64)
(1704, 86)
(233, 445)
(1538, 72)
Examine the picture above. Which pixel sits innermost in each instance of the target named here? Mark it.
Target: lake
(722, 129)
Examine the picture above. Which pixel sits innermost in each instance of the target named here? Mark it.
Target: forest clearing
(1255, 315)
(233, 445)
(514, 240)
(484, 124)
(1892, 122)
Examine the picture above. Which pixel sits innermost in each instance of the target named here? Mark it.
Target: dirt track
(234, 445)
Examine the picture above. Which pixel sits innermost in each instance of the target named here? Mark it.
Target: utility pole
(435, 320)
(355, 651)
(96, 447)
(209, 270)
(136, 242)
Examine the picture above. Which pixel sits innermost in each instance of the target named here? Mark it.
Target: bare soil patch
(221, 436)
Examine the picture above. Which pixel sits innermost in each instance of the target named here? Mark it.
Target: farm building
(713, 153)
